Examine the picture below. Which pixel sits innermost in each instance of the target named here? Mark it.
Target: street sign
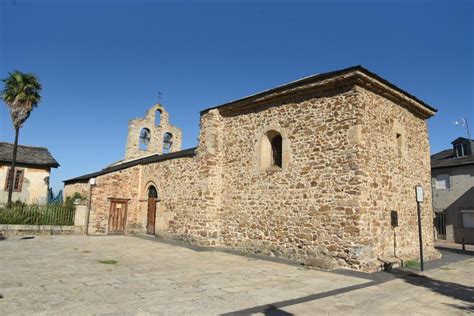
(419, 193)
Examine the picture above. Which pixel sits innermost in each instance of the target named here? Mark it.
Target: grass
(108, 261)
(447, 268)
(414, 264)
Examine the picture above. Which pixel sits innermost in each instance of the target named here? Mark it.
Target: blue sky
(104, 62)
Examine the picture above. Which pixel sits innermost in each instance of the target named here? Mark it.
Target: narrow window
(277, 150)
(144, 138)
(461, 150)
(399, 144)
(167, 142)
(157, 117)
(17, 180)
(7, 180)
(442, 182)
(271, 150)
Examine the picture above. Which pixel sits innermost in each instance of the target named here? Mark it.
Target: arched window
(144, 138)
(157, 117)
(271, 152)
(167, 142)
(152, 192)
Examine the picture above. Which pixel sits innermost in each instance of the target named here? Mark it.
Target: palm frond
(21, 94)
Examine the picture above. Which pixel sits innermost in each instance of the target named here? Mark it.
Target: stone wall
(123, 184)
(157, 131)
(305, 211)
(390, 168)
(15, 230)
(79, 187)
(179, 211)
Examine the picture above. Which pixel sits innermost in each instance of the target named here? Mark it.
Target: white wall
(34, 188)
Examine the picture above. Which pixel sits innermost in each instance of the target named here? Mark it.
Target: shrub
(37, 215)
(71, 199)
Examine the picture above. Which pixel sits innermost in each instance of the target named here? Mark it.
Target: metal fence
(37, 215)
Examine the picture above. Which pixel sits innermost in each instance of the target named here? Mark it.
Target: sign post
(419, 199)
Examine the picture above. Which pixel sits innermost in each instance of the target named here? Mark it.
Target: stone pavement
(452, 245)
(58, 275)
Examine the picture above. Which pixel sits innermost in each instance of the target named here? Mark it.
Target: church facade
(311, 171)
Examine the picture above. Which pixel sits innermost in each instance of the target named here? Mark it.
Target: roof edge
(27, 164)
(453, 165)
(321, 77)
(190, 152)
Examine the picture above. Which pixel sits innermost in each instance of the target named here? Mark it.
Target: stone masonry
(157, 128)
(353, 147)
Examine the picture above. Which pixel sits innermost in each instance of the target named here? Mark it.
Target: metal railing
(37, 215)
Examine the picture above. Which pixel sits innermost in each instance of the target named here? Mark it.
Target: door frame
(118, 201)
(440, 224)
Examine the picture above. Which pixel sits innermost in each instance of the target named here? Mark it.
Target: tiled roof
(27, 155)
(446, 158)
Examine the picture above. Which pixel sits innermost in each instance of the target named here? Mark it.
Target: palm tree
(21, 95)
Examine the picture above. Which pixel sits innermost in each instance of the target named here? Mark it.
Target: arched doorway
(152, 197)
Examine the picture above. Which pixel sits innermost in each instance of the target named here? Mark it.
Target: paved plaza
(60, 275)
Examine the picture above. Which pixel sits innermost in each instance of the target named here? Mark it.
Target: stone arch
(148, 184)
(144, 138)
(158, 114)
(152, 191)
(273, 148)
(167, 142)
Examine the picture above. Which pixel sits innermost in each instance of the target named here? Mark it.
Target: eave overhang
(348, 77)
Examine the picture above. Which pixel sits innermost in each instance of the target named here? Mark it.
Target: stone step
(391, 263)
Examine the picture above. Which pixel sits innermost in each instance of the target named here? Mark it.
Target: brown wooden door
(150, 226)
(117, 217)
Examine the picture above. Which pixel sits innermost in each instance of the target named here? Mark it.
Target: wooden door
(117, 217)
(150, 226)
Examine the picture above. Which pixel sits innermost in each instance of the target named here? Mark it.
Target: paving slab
(63, 275)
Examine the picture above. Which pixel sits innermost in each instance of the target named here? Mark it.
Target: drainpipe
(91, 183)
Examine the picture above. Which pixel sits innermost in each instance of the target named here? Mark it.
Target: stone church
(310, 171)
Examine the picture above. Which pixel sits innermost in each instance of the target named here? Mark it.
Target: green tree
(21, 94)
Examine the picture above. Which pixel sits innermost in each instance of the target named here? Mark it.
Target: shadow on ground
(456, 251)
(450, 289)
(274, 311)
